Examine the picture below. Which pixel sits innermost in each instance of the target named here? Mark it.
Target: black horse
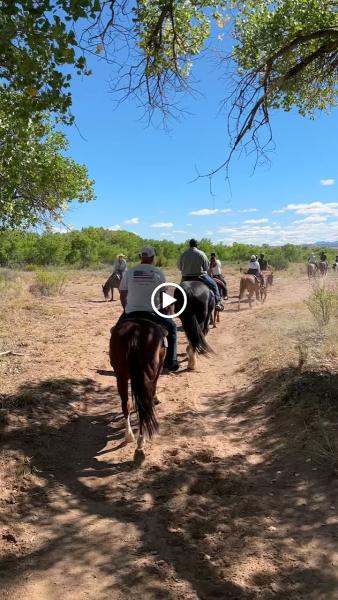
(196, 317)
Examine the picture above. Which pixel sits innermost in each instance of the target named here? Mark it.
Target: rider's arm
(123, 297)
(124, 290)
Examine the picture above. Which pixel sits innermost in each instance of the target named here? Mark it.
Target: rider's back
(140, 281)
(193, 262)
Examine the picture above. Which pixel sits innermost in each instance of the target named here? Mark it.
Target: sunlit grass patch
(48, 283)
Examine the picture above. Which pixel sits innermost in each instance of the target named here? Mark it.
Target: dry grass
(290, 342)
(322, 303)
(48, 283)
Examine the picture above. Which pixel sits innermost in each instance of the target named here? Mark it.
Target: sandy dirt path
(219, 509)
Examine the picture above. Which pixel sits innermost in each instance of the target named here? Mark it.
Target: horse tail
(141, 389)
(193, 331)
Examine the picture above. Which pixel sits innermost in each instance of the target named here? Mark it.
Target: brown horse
(137, 353)
(251, 285)
(268, 282)
(312, 270)
(223, 291)
(323, 267)
(113, 282)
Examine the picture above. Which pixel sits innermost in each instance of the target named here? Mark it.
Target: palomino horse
(323, 267)
(137, 353)
(113, 282)
(311, 270)
(196, 317)
(251, 285)
(268, 282)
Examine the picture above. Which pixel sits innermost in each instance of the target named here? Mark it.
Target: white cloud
(188, 224)
(115, 228)
(209, 233)
(312, 219)
(277, 234)
(132, 221)
(312, 208)
(61, 228)
(327, 181)
(162, 225)
(248, 210)
(205, 212)
(179, 231)
(256, 221)
(166, 234)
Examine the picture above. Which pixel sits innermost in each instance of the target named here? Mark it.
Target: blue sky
(143, 174)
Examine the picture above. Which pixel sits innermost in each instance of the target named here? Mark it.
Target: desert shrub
(278, 261)
(48, 283)
(322, 304)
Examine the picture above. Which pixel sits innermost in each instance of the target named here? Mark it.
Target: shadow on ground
(257, 524)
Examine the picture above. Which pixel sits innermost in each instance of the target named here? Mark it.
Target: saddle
(141, 316)
(256, 278)
(192, 278)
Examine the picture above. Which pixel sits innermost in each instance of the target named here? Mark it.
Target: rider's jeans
(212, 285)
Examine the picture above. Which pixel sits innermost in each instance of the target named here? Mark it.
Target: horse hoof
(139, 458)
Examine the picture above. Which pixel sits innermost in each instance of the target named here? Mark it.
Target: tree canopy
(285, 53)
(97, 247)
(37, 181)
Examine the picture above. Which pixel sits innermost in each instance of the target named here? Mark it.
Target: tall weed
(322, 304)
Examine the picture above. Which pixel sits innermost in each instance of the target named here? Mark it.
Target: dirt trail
(219, 510)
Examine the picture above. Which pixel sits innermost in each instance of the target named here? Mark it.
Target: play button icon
(161, 298)
(167, 300)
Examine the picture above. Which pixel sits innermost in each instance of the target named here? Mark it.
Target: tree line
(96, 247)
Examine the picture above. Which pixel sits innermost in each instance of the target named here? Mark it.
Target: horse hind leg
(122, 386)
(191, 358)
(139, 454)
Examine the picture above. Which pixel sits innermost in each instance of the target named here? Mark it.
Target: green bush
(48, 283)
(322, 304)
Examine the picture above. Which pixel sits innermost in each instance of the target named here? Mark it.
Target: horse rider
(335, 264)
(120, 265)
(255, 269)
(312, 260)
(263, 263)
(193, 263)
(215, 270)
(136, 288)
(323, 257)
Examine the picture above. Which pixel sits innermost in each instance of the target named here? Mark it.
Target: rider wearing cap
(255, 269)
(215, 270)
(194, 263)
(120, 265)
(136, 288)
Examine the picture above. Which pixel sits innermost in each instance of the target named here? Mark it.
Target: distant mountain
(326, 244)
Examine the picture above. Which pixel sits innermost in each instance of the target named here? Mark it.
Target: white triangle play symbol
(167, 300)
